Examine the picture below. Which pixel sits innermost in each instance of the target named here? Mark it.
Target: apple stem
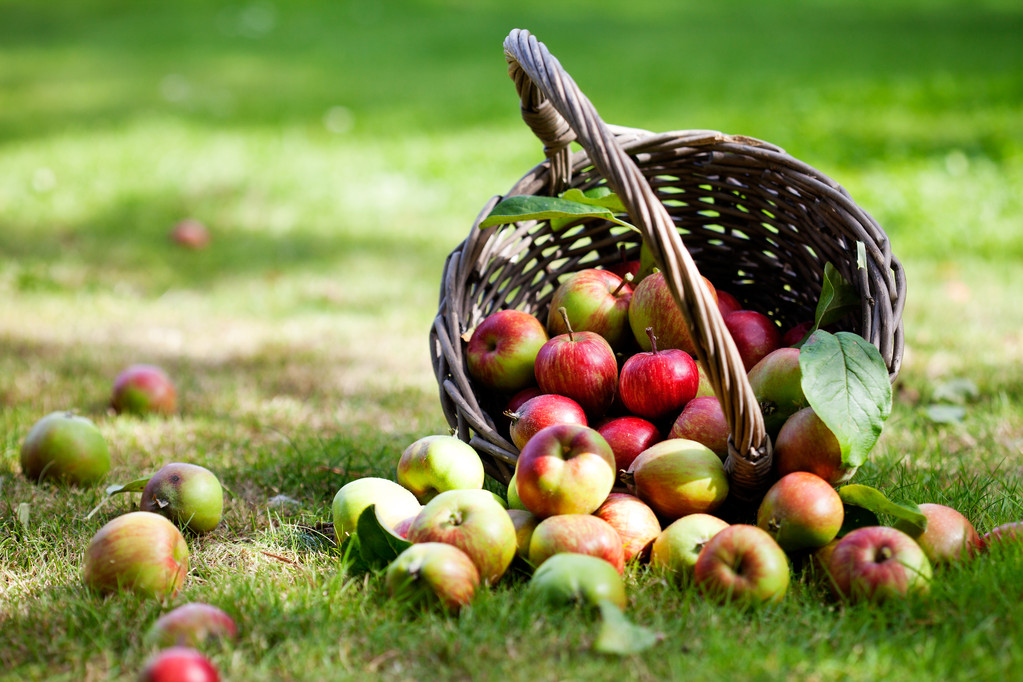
(621, 285)
(513, 415)
(653, 340)
(564, 316)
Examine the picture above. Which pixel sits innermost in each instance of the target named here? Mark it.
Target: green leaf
(945, 414)
(857, 517)
(875, 501)
(136, 486)
(845, 381)
(647, 265)
(838, 298)
(555, 209)
(620, 636)
(595, 196)
(378, 545)
(957, 390)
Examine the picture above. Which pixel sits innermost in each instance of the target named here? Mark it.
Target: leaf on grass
(837, 298)
(620, 636)
(136, 486)
(378, 545)
(23, 513)
(873, 500)
(943, 413)
(555, 209)
(845, 381)
(958, 391)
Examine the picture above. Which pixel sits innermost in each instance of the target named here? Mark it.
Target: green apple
(678, 476)
(188, 494)
(394, 504)
(777, 384)
(433, 573)
(514, 501)
(65, 447)
(437, 463)
(525, 523)
(139, 551)
(678, 546)
(572, 579)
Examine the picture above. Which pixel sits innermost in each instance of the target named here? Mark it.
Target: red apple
(138, 551)
(188, 494)
(542, 411)
(191, 234)
(755, 335)
(776, 383)
(192, 624)
(476, 523)
(1010, 532)
(502, 349)
(571, 579)
(144, 389)
(742, 563)
(517, 400)
(582, 366)
(433, 573)
(652, 305)
(565, 469)
(949, 536)
(727, 303)
(628, 436)
(678, 546)
(678, 477)
(578, 534)
(801, 511)
(703, 420)
(178, 664)
(658, 383)
(625, 267)
(594, 301)
(67, 448)
(805, 443)
(635, 522)
(877, 563)
(795, 334)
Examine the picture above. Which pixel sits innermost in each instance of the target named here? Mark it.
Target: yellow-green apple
(703, 420)
(577, 533)
(727, 303)
(582, 366)
(1009, 532)
(565, 469)
(525, 523)
(949, 536)
(541, 411)
(658, 383)
(755, 335)
(652, 305)
(65, 447)
(635, 522)
(188, 494)
(433, 464)
(571, 579)
(139, 551)
(429, 574)
(191, 234)
(877, 563)
(801, 511)
(776, 383)
(594, 301)
(394, 503)
(143, 389)
(742, 563)
(178, 664)
(678, 476)
(502, 349)
(512, 498)
(476, 523)
(678, 546)
(805, 443)
(192, 624)
(628, 436)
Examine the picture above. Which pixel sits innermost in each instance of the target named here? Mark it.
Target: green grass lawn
(338, 152)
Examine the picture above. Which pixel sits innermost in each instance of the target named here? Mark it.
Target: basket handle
(558, 113)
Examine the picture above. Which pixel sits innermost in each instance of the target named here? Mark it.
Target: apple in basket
(658, 383)
(502, 350)
(703, 420)
(541, 411)
(652, 305)
(594, 301)
(755, 335)
(628, 436)
(582, 366)
(805, 443)
(776, 383)
(433, 464)
(678, 477)
(579, 534)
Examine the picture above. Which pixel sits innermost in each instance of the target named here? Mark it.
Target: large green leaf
(378, 545)
(837, 298)
(845, 381)
(620, 636)
(873, 500)
(558, 210)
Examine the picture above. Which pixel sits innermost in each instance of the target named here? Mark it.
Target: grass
(338, 152)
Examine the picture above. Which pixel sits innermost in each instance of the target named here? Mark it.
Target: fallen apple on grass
(570, 579)
(67, 448)
(179, 664)
(578, 534)
(192, 624)
(878, 563)
(635, 522)
(188, 494)
(801, 511)
(191, 234)
(742, 563)
(144, 389)
(436, 463)
(393, 504)
(140, 552)
(1007, 533)
(949, 536)
(428, 574)
(678, 546)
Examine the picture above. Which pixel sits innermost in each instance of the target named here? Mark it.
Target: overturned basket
(755, 221)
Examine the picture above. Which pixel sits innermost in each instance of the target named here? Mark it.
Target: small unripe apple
(65, 447)
(570, 579)
(144, 389)
(139, 551)
(188, 494)
(192, 624)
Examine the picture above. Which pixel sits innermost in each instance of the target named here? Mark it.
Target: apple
(878, 563)
(727, 303)
(473, 521)
(67, 448)
(138, 551)
(652, 305)
(776, 383)
(394, 503)
(594, 301)
(143, 389)
(525, 523)
(658, 383)
(755, 335)
(705, 388)
(191, 234)
(512, 499)
(627, 268)
(541, 411)
(628, 436)
(433, 573)
(433, 464)
(578, 533)
(678, 477)
(192, 624)
(582, 366)
(805, 443)
(401, 528)
(178, 664)
(949, 536)
(571, 579)
(565, 469)
(794, 335)
(502, 349)
(703, 420)
(801, 511)
(742, 563)
(1010, 532)
(677, 547)
(188, 494)
(635, 522)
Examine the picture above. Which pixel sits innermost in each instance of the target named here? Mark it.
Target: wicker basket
(755, 221)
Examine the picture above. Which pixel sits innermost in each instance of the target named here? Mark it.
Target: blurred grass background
(338, 151)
